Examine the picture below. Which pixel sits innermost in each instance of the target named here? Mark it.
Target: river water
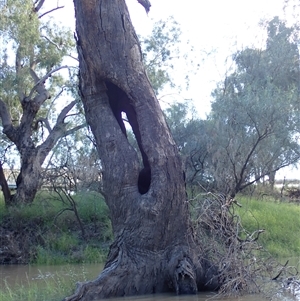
(22, 275)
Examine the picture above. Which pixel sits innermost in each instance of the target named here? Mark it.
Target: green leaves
(159, 51)
(254, 111)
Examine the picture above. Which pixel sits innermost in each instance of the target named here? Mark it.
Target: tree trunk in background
(4, 186)
(29, 179)
(153, 251)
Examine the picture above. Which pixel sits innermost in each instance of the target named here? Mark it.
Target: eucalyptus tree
(154, 248)
(32, 54)
(160, 49)
(191, 136)
(255, 112)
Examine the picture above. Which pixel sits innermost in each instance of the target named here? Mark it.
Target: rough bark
(32, 156)
(153, 251)
(4, 186)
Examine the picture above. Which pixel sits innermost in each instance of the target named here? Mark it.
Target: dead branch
(244, 265)
(50, 11)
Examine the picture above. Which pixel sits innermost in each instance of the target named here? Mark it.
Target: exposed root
(130, 271)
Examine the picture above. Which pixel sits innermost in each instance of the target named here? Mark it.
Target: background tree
(160, 50)
(255, 113)
(191, 136)
(29, 78)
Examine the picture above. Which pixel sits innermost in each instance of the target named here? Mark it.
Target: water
(22, 275)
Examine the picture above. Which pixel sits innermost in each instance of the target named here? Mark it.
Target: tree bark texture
(32, 156)
(153, 251)
(4, 186)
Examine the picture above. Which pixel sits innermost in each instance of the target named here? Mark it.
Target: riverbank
(56, 229)
(280, 220)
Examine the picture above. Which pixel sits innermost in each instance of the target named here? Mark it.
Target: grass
(60, 240)
(53, 232)
(281, 221)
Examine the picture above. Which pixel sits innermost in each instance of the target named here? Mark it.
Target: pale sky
(220, 25)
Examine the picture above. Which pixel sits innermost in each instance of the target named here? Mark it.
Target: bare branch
(8, 129)
(45, 121)
(38, 81)
(18, 66)
(61, 117)
(73, 57)
(50, 11)
(75, 129)
(51, 42)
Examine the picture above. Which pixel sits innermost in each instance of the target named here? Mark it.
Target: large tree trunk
(153, 250)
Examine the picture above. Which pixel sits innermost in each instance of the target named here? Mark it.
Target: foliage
(31, 44)
(161, 52)
(30, 84)
(191, 137)
(255, 113)
(53, 235)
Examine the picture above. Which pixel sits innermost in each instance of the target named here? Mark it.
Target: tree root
(134, 272)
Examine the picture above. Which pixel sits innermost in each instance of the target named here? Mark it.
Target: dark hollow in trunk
(154, 250)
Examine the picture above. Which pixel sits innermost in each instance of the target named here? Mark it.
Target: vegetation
(250, 134)
(62, 237)
(57, 237)
(280, 220)
(32, 55)
(48, 231)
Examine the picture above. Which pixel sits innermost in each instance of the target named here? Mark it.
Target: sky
(215, 29)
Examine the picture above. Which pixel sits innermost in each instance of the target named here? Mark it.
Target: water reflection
(18, 275)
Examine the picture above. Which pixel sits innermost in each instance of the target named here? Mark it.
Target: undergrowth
(51, 233)
(280, 221)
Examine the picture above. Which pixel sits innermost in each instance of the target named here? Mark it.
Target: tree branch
(50, 11)
(39, 5)
(61, 117)
(75, 129)
(58, 131)
(8, 128)
(51, 42)
(46, 123)
(146, 4)
(4, 114)
(38, 81)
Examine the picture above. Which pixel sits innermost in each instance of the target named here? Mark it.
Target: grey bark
(32, 157)
(153, 251)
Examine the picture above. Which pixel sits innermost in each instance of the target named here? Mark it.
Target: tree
(154, 246)
(255, 113)
(27, 86)
(160, 50)
(191, 136)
